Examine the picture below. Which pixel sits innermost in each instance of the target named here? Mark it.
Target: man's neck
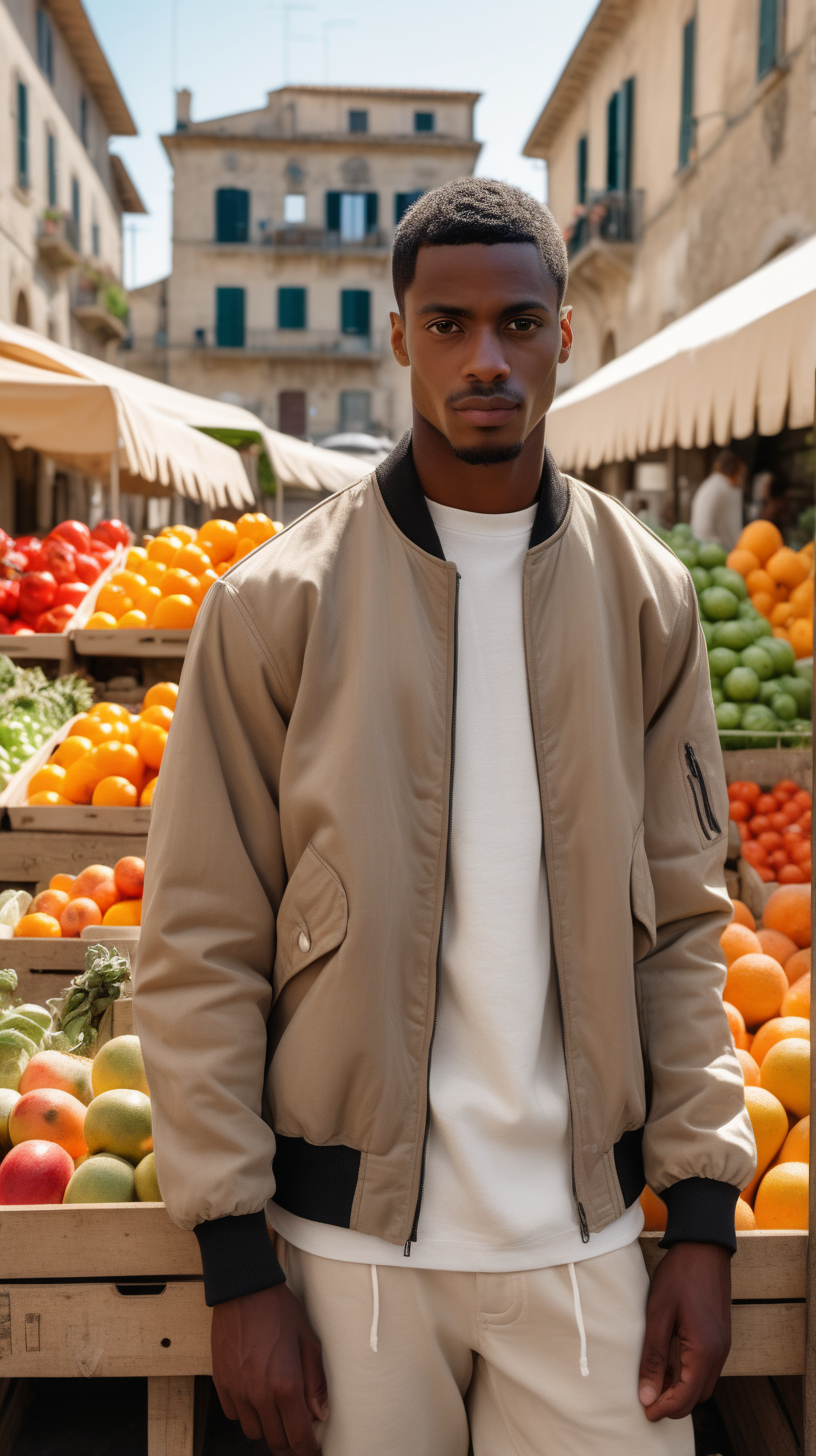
(491, 490)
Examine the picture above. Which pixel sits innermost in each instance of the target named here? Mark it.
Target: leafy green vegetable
(78, 1012)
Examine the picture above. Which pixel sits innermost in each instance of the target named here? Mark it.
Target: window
(351, 214)
(619, 124)
(22, 135)
(424, 121)
(358, 121)
(75, 200)
(51, 167)
(355, 411)
(355, 311)
(582, 161)
(231, 215)
(292, 412)
(45, 45)
(294, 208)
(402, 201)
(291, 308)
(768, 36)
(687, 95)
(95, 237)
(83, 119)
(229, 318)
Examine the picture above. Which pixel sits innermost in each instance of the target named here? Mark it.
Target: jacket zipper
(412, 1237)
(697, 773)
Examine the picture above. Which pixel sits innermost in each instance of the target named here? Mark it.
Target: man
(430, 963)
(716, 509)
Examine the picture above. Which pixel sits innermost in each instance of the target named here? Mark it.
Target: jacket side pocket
(312, 919)
(642, 897)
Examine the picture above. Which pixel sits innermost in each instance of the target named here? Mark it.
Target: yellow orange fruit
(153, 572)
(125, 912)
(782, 1198)
(742, 914)
(801, 598)
(736, 1022)
(130, 581)
(655, 1212)
(81, 780)
(115, 793)
(780, 947)
(114, 599)
(146, 797)
(755, 984)
(192, 558)
(177, 611)
(119, 1064)
(77, 914)
(801, 636)
(737, 940)
(163, 549)
(750, 1070)
(99, 731)
(132, 619)
(51, 778)
(100, 622)
(49, 902)
(781, 614)
(202, 585)
(218, 539)
(150, 742)
(795, 1148)
(70, 750)
(184, 533)
(157, 713)
(255, 525)
(742, 561)
(743, 1216)
(37, 925)
(48, 798)
(770, 1124)
(779, 1028)
(120, 760)
(788, 910)
(797, 999)
(61, 882)
(161, 695)
(785, 1071)
(761, 537)
(97, 883)
(135, 559)
(787, 568)
(760, 581)
(146, 599)
(176, 582)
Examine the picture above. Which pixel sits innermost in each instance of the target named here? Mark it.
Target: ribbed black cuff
(237, 1257)
(701, 1211)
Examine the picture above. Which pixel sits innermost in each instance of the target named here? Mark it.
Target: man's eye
(524, 325)
(444, 326)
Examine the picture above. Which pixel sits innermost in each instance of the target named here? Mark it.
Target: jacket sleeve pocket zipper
(696, 773)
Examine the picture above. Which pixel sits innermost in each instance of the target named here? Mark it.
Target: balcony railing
(58, 240)
(312, 240)
(293, 341)
(609, 217)
(99, 303)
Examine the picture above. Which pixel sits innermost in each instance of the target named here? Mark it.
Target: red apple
(35, 1172)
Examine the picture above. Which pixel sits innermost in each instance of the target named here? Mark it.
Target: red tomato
(27, 546)
(37, 592)
(766, 804)
(744, 833)
(792, 834)
(800, 852)
(5, 625)
(56, 619)
(806, 820)
(102, 553)
(778, 858)
(70, 594)
(75, 533)
(791, 874)
(785, 786)
(755, 853)
(803, 798)
(112, 532)
(59, 557)
(771, 839)
(9, 598)
(21, 629)
(744, 789)
(806, 870)
(791, 810)
(759, 824)
(739, 810)
(767, 875)
(779, 821)
(88, 567)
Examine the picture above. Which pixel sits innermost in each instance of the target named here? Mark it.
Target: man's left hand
(688, 1329)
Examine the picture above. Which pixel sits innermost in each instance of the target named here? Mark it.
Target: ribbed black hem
(237, 1257)
(701, 1211)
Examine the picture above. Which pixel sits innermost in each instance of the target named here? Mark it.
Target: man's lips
(477, 411)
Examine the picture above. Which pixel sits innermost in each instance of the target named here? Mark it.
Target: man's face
(483, 339)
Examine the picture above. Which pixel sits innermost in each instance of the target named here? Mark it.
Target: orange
(761, 537)
(655, 1212)
(797, 1000)
(81, 779)
(150, 741)
(109, 712)
(775, 944)
(176, 582)
(115, 792)
(801, 598)
(96, 882)
(736, 1022)
(135, 559)
(37, 925)
(163, 549)
(256, 525)
(120, 760)
(132, 619)
(77, 914)
(192, 558)
(146, 599)
(788, 910)
(51, 778)
(785, 1071)
(130, 581)
(788, 568)
(153, 572)
(202, 585)
(54, 1116)
(755, 984)
(737, 940)
(146, 798)
(245, 545)
(770, 1124)
(742, 561)
(70, 750)
(128, 873)
(218, 539)
(750, 1070)
(775, 1030)
(781, 632)
(782, 1200)
(781, 615)
(61, 882)
(127, 912)
(101, 732)
(742, 914)
(48, 797)
(760, 581)
(114, 599)
(764, 603)
(162, 695)
(156, 713)
(175, 611)
(100, 622)
(796, 1147)
(49, 902)
(184, 533)
(743, 1216)
(801, 636)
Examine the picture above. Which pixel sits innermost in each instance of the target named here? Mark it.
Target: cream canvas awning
(294, 462)
(743, 361)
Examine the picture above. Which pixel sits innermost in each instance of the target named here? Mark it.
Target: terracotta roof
(81, 40)
(125, 186)
(605, 25)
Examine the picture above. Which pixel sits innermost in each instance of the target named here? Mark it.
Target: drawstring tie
(375, 1320)
(579, 1320)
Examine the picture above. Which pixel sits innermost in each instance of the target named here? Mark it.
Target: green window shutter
(582, 159)
(372, 205)
(355, 311)
(75, 208)
(229, 318)
(687, 94)
(424, 121)
(333, 212)
(404, 200)
(358, 121)
(626, 131)
(231, 215)
(291, 308)
(768, 36)
(52, 169)
(22, 135)
(612, 174)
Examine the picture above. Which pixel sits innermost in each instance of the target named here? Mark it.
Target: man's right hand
(268, 1370)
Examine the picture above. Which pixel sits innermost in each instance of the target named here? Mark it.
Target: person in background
(716, 510)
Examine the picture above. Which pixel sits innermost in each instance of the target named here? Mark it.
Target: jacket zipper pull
(407, 1250)
(583, 1223)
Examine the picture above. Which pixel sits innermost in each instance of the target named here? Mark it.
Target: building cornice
(604, 26)
(405, 93)
(125, 187)
(81, 40)
(355, 142)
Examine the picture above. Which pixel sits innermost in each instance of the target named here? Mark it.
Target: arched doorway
(21, 311)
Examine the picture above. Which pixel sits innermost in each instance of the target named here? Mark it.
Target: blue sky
(230, 54)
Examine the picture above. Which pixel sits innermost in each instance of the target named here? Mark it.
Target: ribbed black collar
(405, 499)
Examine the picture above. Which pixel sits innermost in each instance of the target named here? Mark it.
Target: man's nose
(486, 360)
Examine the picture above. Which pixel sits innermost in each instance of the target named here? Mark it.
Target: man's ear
(398, 340)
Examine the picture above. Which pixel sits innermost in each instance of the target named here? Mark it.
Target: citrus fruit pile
(779, 582)
(111, 756)
(774, 829)
(767, 1000)
(98, 896)
(164, 583)
(79, 1131)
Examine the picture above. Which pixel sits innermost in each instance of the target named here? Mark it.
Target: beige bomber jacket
(296, 868)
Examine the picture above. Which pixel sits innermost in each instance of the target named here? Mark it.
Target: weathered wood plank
(27, 856)
(768, 1264)
(107, 1241)
(767, 1339)
(754, 1418)
(170, 1415)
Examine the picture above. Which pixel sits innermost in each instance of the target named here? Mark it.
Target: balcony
(603, 235)
(310, 240)
(100, 305)
(295, 344)
(57, 240)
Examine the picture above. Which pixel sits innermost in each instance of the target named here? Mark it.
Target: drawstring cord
(375, 1289)
(583, 1364)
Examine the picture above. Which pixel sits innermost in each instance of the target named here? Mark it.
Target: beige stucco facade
(300, 146)
(747, 189)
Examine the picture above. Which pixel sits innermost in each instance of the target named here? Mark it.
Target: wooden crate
(766, 766)
(58, 646)
(132, 642)
(29, 857)
(68, 818)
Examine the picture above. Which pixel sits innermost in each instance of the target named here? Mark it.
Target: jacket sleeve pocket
(643, 899)
(312, 919)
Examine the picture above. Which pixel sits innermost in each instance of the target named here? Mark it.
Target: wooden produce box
(76, 818)
(58, 646)
(766, 766)
(132, 642)
(31, 857)
(44, 966)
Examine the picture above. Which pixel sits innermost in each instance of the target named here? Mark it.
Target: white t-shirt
(498, 1180)
(716, 511)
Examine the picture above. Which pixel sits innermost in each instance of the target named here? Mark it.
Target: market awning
(82, 424)
(294, 462)
(743, 361)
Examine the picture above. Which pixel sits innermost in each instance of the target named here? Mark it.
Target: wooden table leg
(170, 1415)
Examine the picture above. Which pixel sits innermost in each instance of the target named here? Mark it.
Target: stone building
(62, 194)
(280, 289)
(680, 142)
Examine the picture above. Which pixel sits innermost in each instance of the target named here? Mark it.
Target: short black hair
(476, 210)
(729, 463)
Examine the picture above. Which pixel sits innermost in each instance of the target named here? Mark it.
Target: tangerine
(787, 568)
(737, 940)
(177, 611)
(176, 582)
(777, 1029)
(742, 914)
(785, 1071)
(255, 525)
(788, 910)
(115, 792)
(49, 902)
(135, 559)
(782, 1199)
(77, 914)
(132, 619)
(761, 537)
(125, 912)
(146, 797)
(37, 925)
(770, 1124)
(61, 882)
(130, 581)
(736, 1022)
(100, 622)
(795, 1148)
(97, 883)
(742, 561)
(50, 778)
(801, 636)
(114, 599)
(797, 1000)
(743, 1216)
(219, 539)
(71, 748)
(161, 695)
(156, 713)
(775, 944)
(151, 741)
(755, 984)
(146, 600)
(48, 797)
(760, 581)
(129, 875)
(192, 558)
(120, 760)
(163, 549)
(655, 1212)
(153, 572)
(750, 1070)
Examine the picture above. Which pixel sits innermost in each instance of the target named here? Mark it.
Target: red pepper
(59, 557)
(70, 594)
(88, 567)
(102, 552)
(56, 619)
(76, 533)
(37, 592)
(27, 546)
(9, 598)
(13, 564)
(112, 533)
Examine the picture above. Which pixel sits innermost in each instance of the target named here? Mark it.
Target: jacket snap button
(304, 943)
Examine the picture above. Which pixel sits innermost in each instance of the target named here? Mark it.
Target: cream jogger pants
(488, 1358)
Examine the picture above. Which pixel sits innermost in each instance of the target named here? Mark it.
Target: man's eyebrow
(455, 311)
(449, 308)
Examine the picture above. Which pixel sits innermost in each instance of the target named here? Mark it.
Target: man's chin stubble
(489, 454)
